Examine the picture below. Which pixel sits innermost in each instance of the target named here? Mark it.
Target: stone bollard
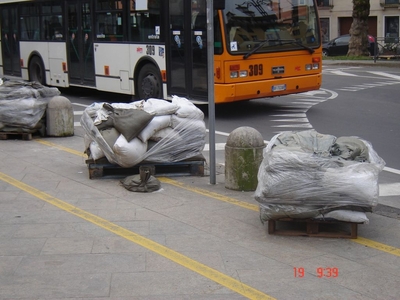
(243, 156)
(59, 117)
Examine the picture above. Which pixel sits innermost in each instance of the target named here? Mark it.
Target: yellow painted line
(359, 240)
(209, 194)
(69, 150)
(377, 246)
(210, 273)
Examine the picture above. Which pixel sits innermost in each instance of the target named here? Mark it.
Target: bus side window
(177, 22)
(200, 22)
(134, 27)
(55, 28)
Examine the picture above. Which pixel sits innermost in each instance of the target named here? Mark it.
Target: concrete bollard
(59, 117)
(243, 156)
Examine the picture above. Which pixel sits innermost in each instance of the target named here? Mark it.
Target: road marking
(291, 115)
(209, 194)
(66, 149)
(359, 87)
(304, 120)
(185, 261)
(79, 104)
(389, 189)
(308, 125)
(391, 170)
(218, 147)
(341, 73)
(377, 246)
(384, 74)
(360, 240)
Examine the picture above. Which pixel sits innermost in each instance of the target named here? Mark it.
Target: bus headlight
(315, 66)
(243, 73)
(308, 67)
(234, 74)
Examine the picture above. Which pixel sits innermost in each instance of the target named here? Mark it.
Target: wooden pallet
(313, 228)
(4, 135)
(190, 167)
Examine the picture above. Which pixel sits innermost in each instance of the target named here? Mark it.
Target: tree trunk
(358, 44)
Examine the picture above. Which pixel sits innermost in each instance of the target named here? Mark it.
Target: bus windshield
(264, 26)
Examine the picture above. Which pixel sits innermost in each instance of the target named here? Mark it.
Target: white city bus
(155, 49)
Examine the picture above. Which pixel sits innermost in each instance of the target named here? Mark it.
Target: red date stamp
(327, 272)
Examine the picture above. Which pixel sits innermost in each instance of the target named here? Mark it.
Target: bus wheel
(36, 70)
(149, 82)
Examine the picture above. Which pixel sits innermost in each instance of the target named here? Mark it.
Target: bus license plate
(279, 87)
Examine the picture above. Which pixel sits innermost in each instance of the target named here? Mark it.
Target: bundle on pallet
(306, 174)
(154, 130)
(23, 106)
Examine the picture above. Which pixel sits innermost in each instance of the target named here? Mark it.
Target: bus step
(313, 228)
(101, 168)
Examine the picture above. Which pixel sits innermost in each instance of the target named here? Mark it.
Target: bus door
(9, 42)
(187, 57)
(80, 43)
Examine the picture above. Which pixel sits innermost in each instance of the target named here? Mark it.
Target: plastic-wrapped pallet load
(154, 130)
(306, 174)
(23, 105)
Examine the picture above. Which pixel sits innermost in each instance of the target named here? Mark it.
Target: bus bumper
(225, 93)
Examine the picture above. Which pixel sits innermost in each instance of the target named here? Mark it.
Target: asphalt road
(355, 100)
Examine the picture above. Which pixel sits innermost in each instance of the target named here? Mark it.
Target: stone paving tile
(82, 264)
(55, 285)
(167, 284)
(18, 201)
(114, 244)
(36, 230)
(47, 253)
(81, 228)
(9, 263)
(375, 283)
(21, 246)
(67, 246)
(389, 263)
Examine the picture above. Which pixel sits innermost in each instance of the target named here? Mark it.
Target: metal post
(210, 76)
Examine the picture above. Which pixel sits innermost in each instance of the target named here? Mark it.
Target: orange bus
(155, 49)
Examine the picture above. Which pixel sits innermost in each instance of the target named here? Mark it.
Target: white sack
(156, 124)
(129, 154)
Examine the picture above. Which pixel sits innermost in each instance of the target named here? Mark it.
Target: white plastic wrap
(23, 104)
(299, 177)
(185, 140)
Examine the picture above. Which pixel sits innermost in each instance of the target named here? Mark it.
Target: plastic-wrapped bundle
(22, 104)
(160, 140)
(304, 174)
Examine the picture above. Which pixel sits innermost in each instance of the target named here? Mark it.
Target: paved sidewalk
(395, 63)
(65, 236)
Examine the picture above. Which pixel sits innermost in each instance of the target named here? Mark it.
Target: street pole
(210, 83)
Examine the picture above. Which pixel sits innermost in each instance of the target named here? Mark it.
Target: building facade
(336, 18)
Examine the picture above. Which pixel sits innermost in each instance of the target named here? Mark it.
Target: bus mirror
(219, 4)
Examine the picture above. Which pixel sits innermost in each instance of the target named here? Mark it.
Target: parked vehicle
(340, 45)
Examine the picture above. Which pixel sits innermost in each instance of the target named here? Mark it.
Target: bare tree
(358, 44)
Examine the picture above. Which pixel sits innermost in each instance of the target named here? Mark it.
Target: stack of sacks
(23, 105)
(154, 130)
(311, 175)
